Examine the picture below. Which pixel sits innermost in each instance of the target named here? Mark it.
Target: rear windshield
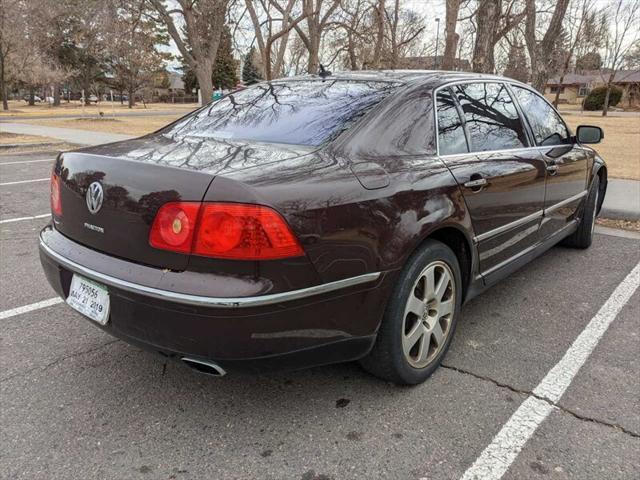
(295, 112)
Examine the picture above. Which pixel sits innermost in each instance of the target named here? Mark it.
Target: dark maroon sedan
(315, 220)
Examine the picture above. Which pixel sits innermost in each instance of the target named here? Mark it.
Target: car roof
(436, 77)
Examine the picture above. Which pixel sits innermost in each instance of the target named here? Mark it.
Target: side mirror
(589, 134)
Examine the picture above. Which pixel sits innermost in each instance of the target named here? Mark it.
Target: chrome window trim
(497, 80)
(198, 300)
(528, 218)
(523, 117)
(535, 92)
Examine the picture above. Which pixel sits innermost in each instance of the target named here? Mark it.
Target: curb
(614, 214)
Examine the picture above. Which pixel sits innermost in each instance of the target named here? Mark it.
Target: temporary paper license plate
(89, 298)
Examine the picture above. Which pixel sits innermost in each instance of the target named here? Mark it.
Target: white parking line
(25, 181)
(28, 161)
(20, 219)
(496, 459)
(30, 308)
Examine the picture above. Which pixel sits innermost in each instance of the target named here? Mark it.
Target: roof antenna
(324, 73)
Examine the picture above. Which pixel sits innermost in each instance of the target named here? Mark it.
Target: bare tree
(318, 15)
(541, 53)
(493, 23)
(267, 36)
(578, 17)
(402, 30)
(134, 59)
(10, 24)
(203, 24)
(450, 35)
(379, 14)
(404, 26)
(25, 56)
(620, 39)
(354, 16)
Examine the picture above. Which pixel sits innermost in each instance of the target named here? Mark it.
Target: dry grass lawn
(633, 225)
(125, 125)
(75, 108)
(621, 145)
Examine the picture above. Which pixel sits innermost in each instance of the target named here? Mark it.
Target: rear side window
(294, 112)
(451, 137)
(548, 128)
(491, 117)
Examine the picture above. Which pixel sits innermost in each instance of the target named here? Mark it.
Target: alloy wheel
(428, 314)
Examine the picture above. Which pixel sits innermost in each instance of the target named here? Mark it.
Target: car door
(483, 141)
(566, 161)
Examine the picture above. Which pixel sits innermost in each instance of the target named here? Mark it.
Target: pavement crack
(59, 360)
(491, 380)
(559, 407)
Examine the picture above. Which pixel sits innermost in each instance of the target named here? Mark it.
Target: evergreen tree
(589, 61)
(189, 78)
(517, 67)
(225, 70)
(250, 72)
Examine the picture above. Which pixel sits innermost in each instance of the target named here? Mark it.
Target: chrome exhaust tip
(203, 366)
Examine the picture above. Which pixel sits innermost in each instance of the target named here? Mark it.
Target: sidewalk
(622, 200)
(107, 114)
(70, 135)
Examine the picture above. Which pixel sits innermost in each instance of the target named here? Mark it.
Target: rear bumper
(183, 314)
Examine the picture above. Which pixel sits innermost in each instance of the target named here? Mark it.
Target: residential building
(575, 87)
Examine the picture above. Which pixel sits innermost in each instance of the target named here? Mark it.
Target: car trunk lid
(138, 176)
(132, 193)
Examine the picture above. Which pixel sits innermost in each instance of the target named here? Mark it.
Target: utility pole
(435, 58)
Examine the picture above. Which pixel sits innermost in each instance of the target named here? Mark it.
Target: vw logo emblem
(95, 196)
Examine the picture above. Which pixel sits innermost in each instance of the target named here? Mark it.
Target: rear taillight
(224, 230)
(174, 226)
(56, 201)
(240, 231)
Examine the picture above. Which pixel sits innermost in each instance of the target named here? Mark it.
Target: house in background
(168, 86)
(575, 87)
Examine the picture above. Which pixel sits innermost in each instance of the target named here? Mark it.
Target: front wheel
(421, 317)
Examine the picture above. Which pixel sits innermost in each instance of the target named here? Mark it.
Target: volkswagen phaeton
(319, 219)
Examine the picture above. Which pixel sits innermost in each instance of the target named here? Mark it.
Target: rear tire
(420, 319)
(583, 236)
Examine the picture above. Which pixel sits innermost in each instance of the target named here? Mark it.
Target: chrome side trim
(220, 302)
(508, 226)
(528, 218)
(569, 200)
(513, 258)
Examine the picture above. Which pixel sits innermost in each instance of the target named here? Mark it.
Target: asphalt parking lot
(76, 403)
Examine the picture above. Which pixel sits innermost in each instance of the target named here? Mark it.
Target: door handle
(476, 184)
(552, 169)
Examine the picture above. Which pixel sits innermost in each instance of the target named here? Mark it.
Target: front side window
(291, 112)
(491, 117)
(451, 137)
(548, 128)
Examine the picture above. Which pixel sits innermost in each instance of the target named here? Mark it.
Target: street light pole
(435, 58)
